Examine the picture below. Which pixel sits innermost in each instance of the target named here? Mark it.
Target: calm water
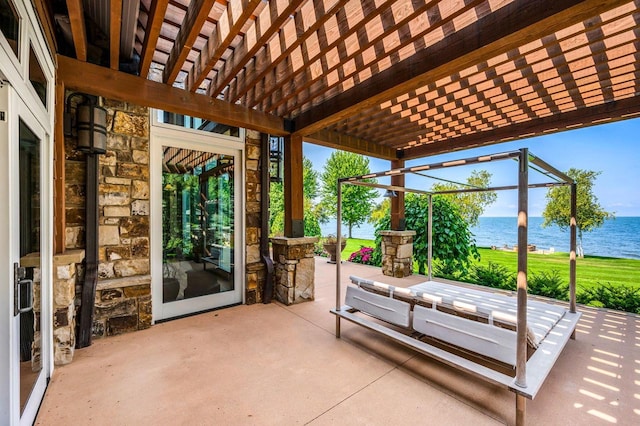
(618, 237)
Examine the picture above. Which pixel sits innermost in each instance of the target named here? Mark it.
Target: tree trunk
(350, 228)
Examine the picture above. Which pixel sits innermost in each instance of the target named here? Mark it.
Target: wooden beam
(189, 30)
(583, 117)
(293, 188)
(151, 34)
(266, 25)
(78, 30)
(237, 13)
(344, 142)
(115, 23)
(101, 81)
(507, 28)
(59, 194)
(397, 203)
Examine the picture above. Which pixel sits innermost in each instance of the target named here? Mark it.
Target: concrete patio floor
(281, 365)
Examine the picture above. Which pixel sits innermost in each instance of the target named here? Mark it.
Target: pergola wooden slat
(394, 79)
(154, 24)
(114, 34)
(189, 30)
(228, 27)
(266, 25)
(76, 17)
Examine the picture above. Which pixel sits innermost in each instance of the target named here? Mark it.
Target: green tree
(310, 189)
(589, 214)
(453, 244)
(357, 201)
(470, 204)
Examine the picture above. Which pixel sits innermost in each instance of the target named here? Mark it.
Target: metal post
(521, 410)
(572, 253)
(430, 239)
(91, 254)
(521, 342)
(338, 259)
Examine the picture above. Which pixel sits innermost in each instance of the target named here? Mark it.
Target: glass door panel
(28, 287)
(198, 210)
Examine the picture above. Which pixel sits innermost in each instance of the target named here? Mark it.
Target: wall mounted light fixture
(90, 124)
(276, 158)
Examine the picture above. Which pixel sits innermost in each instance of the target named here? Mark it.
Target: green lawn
(589, 270)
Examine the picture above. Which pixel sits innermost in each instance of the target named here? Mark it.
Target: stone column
(397, 253)
(294, 269)
(65, 277)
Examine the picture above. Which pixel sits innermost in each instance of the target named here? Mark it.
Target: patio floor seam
(354, 393)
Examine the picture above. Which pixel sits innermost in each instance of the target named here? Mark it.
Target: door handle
(20, 285)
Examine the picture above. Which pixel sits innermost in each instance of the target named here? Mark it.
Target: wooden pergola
(394, 79)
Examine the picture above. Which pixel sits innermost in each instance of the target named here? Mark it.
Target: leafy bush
(493, 275)
(364, 256)
(548, 284)
(618, 297)
(453, 243)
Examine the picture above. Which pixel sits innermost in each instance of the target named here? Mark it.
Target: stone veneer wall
(255, 269)
(123, 296)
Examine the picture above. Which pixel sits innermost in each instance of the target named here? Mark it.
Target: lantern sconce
(276, 158)
(89, 123)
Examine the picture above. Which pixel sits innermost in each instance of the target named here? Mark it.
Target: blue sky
(613, 149)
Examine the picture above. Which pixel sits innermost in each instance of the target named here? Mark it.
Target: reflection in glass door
(197, 225)
(27, 284)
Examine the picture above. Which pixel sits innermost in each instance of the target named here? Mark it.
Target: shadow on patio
(219, 368)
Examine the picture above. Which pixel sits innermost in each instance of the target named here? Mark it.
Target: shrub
(618, 297)
(453, 243)
(548, 284)
(364, 256)
(493, 275)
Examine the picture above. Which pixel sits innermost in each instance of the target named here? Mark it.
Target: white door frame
(18, 98)
(165, 135)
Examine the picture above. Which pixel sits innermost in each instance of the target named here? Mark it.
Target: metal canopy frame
(526, 160)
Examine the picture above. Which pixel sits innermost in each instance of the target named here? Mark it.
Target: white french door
(197, 223)
(25, 225)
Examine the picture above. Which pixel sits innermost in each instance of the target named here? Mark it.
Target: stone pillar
(397, 253)
(255, 273)
(65, 277)
(294, 269)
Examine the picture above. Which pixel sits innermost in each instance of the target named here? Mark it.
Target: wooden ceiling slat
(531, 85)
(379, 52)
(505, 29)
(189, 30)
(612, 111)
(294, 84)
(307, 23)
(238, 12)
(407, 133)
(78, 30)
(403, 134)
(266, 25)
(151, 34)
(115, 22)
